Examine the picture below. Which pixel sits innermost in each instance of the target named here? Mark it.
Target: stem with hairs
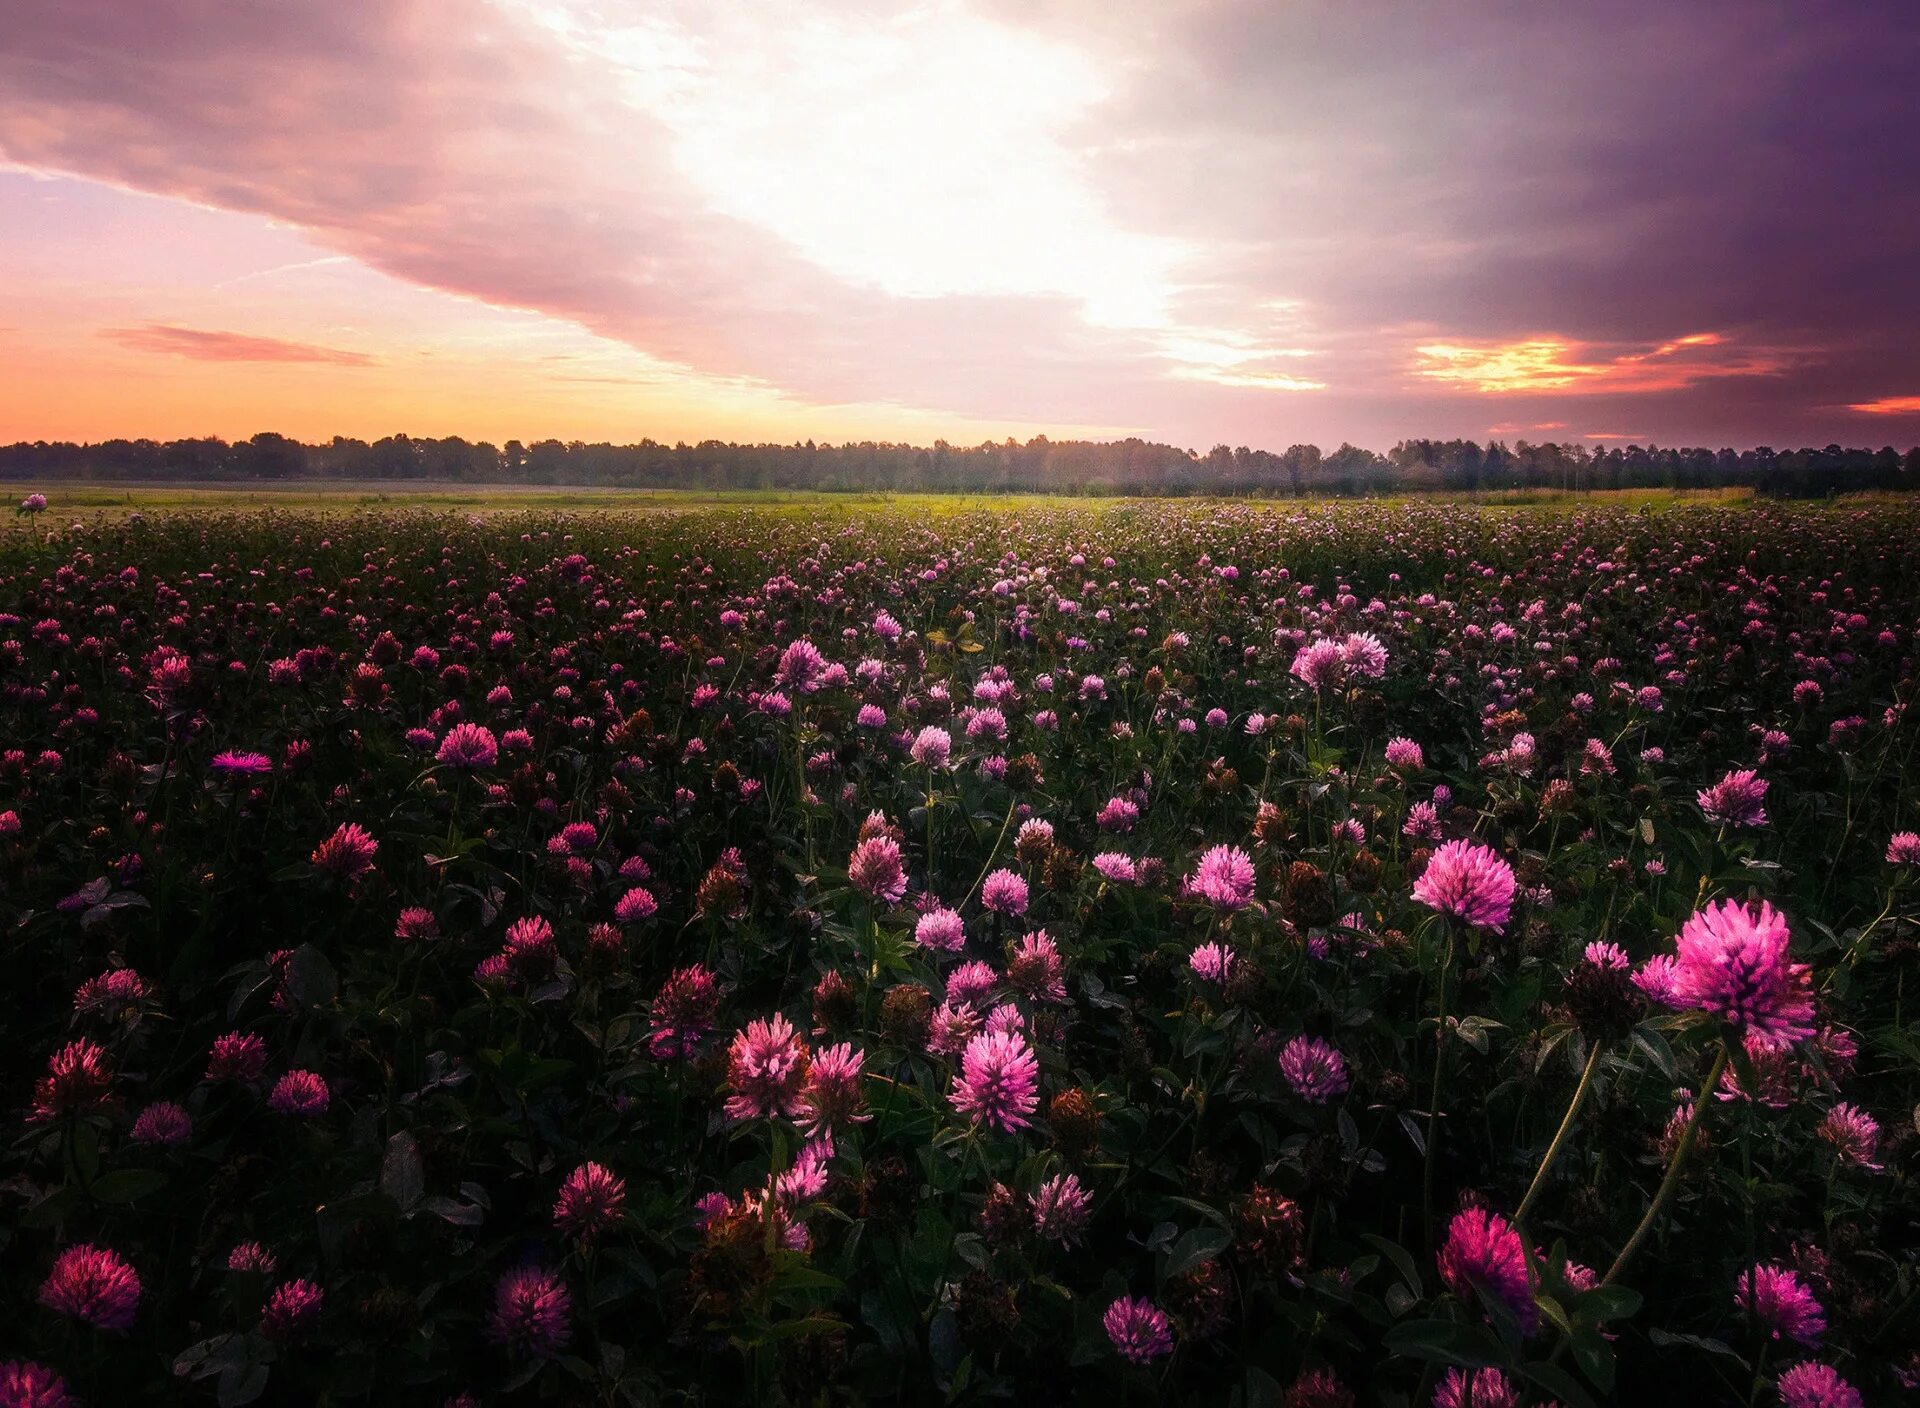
(1674, 1168)
(1566, 1125)
(1433, 1100)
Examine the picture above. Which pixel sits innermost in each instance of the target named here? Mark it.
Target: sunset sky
(1256, 223)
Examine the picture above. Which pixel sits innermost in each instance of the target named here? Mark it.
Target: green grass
(113, 500)
(306, 497)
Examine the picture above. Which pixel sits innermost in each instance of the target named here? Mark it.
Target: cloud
(1889, 406)
(466, 147)
(203, 346)
(323, 262)
(1560, 364)
(1067, 211)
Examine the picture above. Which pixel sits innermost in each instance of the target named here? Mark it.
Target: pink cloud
(456, 146)
(1332, 180)
(1889, 406)
(203, 346)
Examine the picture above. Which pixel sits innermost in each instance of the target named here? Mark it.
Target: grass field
(115, 500)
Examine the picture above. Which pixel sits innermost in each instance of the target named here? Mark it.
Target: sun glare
(925, 154)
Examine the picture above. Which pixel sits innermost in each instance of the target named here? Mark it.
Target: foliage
(196, 709)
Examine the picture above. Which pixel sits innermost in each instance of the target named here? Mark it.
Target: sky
(1251, 222)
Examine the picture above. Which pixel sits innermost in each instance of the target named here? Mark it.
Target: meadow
(473, 948)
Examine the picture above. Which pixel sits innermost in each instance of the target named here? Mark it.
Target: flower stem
(1674, 1167)
(1560, 1136)
(1433, 1100)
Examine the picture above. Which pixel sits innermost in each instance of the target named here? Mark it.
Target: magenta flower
(589, 1203)
(1317, 664)
(1404, 753)
(635, 905)
(292, 1310)
(1224, 878)
(1423, 822)
(1784, 1306)
(972, 982)
(530, 947)
(682, 1012)
(532, 1313)
(237, 764)
(1483, 1252)
(469, 747)
(239, 1056)
(79, 1076)
(1005, 893)
(1476, 1388)
(931, 747)
(252, 1257)
(347, 853)
(998, 1081)
(1363, 656)
(1470, 882)
(92, 1284)
(1853, 1132)
(940, 929)
(767, 1067)
(1608, 956)
(951, 1027)
(1036, 968)
(1813, 1385)
(1139, 1330)
(28, 1385)
(299, 1093)
(1736, 799)
(1211, 963)
(876, 871)
(416, 925)
(1060, 1209)
(1903, 848)
(163, 1123)
(800, 667)
(1317, 1072)
(1734, 962)
(831, 1098)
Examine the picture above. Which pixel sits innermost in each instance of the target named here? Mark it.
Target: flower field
(1192, 953)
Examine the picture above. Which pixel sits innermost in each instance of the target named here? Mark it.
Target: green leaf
(128, 1185)
(86, 1149)
(1201, 1244)
(241, 1384)
(1261, 1390)
(1666, 1338)
(1594, 1355)
(1559, 1383)
(310, 978)
(1444, 1342)
(1402, 1259)
(403, 1175)
(1610, 1302)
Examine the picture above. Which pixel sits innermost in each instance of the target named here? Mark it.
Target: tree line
(1041, 465)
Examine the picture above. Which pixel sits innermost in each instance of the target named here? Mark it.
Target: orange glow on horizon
(1549, 362)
